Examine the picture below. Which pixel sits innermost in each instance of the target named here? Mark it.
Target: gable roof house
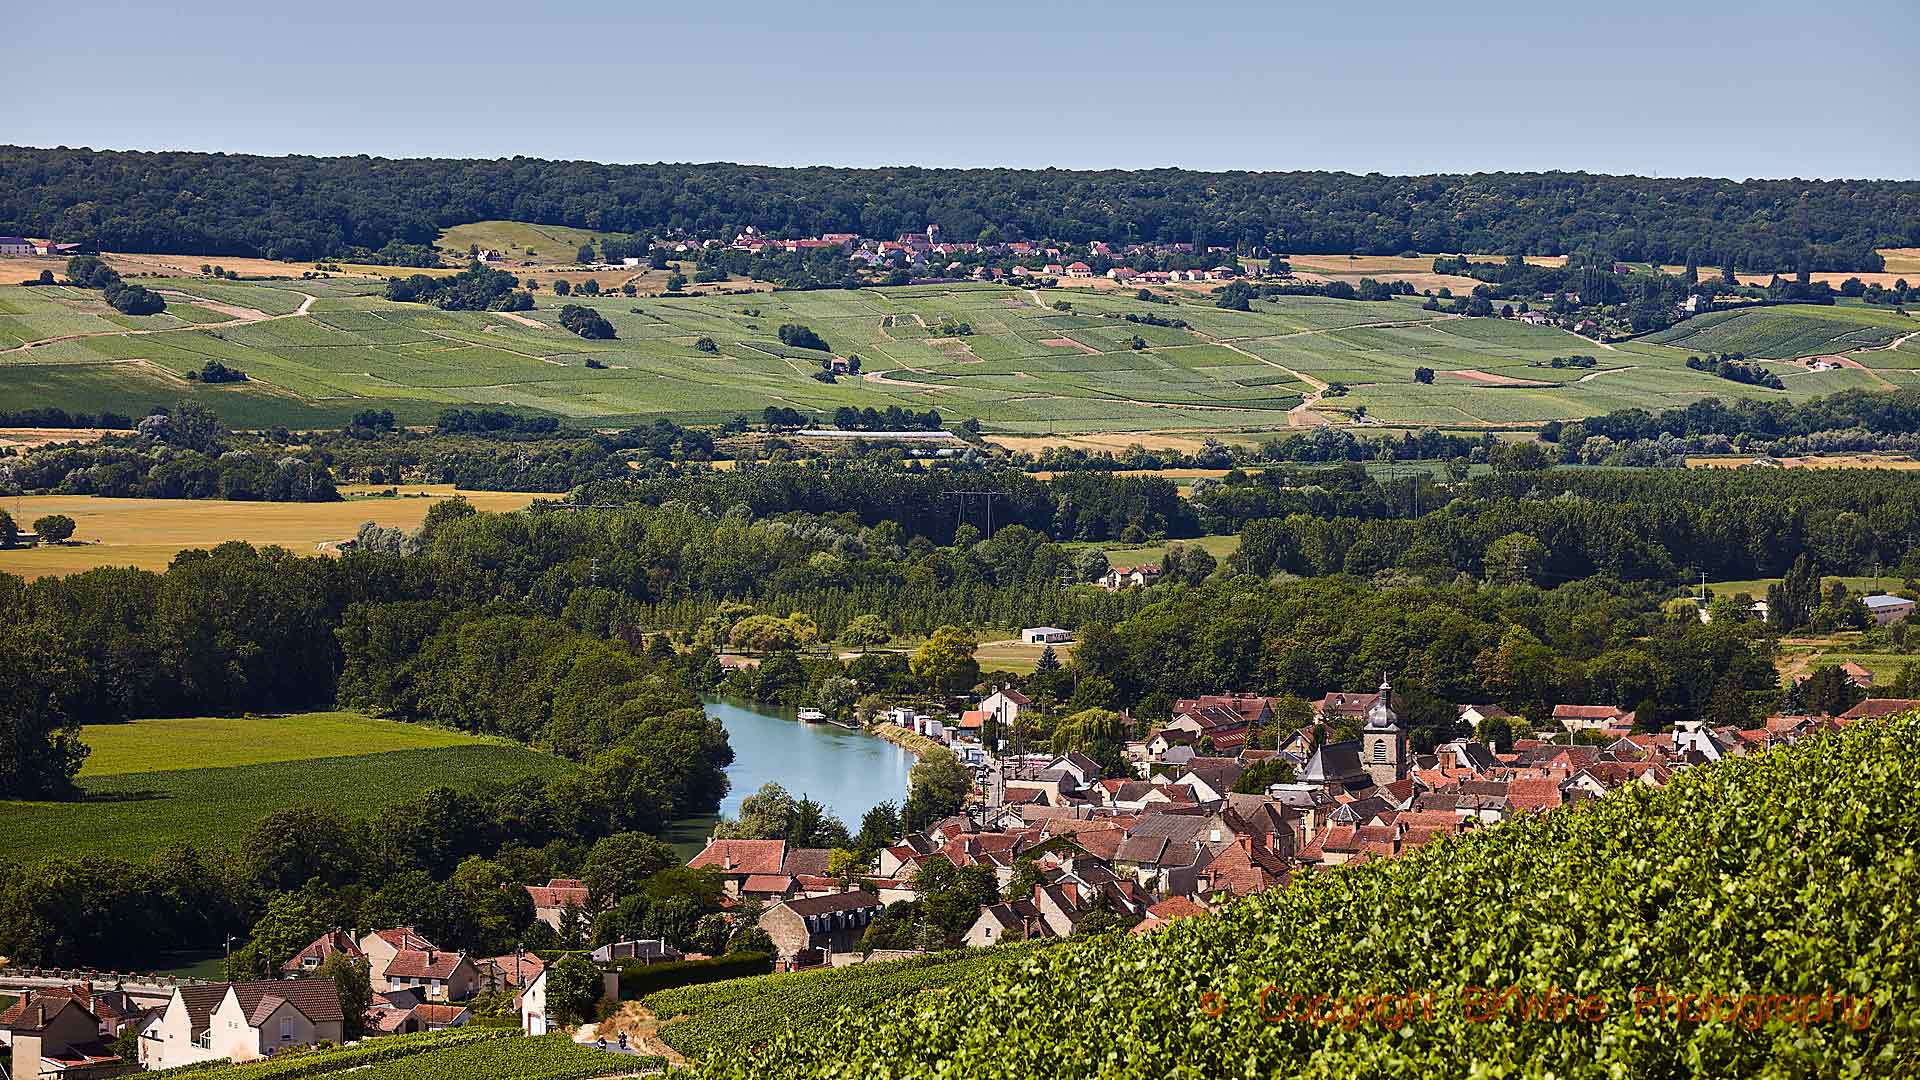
(1594, 718)
(333, 942)
(242, 1021)
(53, 1034)
(550, 901)
(737, 860)
(440, 975)
(820, 924)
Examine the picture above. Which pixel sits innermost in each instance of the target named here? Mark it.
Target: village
(1068, 849)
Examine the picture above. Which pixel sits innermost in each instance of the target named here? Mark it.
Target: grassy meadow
(139, 797)
(213, 742)
(148, 533)
(318, 351)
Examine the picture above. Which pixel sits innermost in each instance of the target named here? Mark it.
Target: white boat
(812, 716)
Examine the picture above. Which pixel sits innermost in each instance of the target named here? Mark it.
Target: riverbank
(903, 738)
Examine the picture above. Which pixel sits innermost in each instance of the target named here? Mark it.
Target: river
(848, 772)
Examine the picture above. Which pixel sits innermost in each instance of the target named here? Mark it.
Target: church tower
(1383, 742)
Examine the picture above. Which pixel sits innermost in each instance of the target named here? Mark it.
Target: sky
(1755, 89)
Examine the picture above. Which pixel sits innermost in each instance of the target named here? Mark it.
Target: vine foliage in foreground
(1792, 872)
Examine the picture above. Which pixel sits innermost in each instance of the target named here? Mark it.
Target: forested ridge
(308, 207)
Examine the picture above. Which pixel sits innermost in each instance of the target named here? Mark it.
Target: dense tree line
(56, 417)
(1564, 525)
(1523, 647)
(303, 208)
(182, 453)
(1080, 507)
(477, 288)
(1885, 413)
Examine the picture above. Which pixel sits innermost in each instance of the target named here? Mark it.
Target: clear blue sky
(1755, 88)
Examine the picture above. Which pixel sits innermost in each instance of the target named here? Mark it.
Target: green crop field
(132, 813)
(1778, 333)
(207, 742)
(711, 1020)
(1025, 369)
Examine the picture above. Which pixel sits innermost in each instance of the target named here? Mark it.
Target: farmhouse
(832, 923)
(1888, 609)
(1594, 718)
(1046, 635)
(550, 901)
(1122, 577)
(16, 245)
(738, 860)
(1005, 703)
(240, 1021)
(1079, 270)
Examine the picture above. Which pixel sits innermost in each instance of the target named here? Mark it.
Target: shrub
(586, 322)
(797, 336)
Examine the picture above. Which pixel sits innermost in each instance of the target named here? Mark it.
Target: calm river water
(848, 772)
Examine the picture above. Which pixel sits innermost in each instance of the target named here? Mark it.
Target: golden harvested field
(1825, 461)
(21, 438)
(133, 264)
(1103, 441)
(1902, 260)
(150, 532)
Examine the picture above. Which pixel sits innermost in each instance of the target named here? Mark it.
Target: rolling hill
(317, 352)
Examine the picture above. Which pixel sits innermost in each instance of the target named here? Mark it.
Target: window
(1380, 750)
(286, 1027)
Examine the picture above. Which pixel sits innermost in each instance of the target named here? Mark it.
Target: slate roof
(1334, 762)
(806, 860)
(856, 900)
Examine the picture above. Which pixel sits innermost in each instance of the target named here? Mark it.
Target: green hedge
(1773, 879)
(637, 980)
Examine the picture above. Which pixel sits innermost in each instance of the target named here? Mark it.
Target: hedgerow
(1790, 877)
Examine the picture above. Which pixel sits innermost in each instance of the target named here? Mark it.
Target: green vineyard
(712, 1019)
(1754, 918)
(499, 1053)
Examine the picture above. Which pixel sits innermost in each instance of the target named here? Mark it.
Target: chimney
(729, 860)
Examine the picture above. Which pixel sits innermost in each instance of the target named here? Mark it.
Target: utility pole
(961, 516)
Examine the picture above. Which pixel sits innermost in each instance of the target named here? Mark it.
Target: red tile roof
(558, 893)
(423, 964)
(1534, 794)
(743, 856)
(1877, 707)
